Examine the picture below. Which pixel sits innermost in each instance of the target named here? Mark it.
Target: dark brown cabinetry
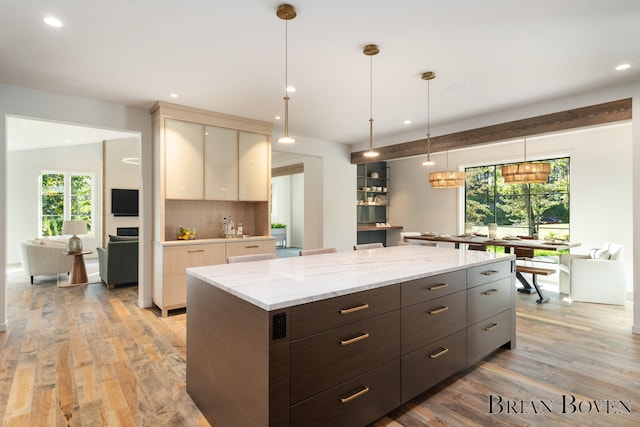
(343, 361)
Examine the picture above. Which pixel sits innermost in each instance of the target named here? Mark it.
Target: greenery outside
(534, 209)
(65, 196)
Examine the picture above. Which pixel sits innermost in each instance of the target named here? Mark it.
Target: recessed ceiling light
(277, 117)
(622, 67)
(291, 89)
(407, 122)
(52, 21)
(174, 95)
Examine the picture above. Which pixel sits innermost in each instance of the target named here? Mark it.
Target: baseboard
(3, 327)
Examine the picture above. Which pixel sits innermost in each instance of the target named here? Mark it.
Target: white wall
(49, 106)
(298, 230)
(119, 174)
(600, 189)
(23, 172)
(329, 192)
(281, 202)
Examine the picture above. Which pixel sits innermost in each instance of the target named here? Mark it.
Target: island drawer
(487, 335)
(431, 364)
(488, 273)
(429, 288)
(431, 320)
(311, 318)
(355, 402)
(489, 299)
(321, 361)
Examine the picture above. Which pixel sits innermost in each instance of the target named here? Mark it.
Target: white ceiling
(488, 55)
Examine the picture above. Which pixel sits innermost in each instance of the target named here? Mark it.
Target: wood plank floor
(87, 356)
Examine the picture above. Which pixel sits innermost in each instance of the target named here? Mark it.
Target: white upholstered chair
(598, 277)
(42, 257)
(405, 239)
(251, 257)
(364, 246)
(305, 252)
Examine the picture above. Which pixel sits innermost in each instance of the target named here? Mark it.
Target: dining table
(476, 240)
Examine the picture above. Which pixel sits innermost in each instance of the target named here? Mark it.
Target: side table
(78, 269)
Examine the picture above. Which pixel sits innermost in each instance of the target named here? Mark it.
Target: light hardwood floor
(87, 356)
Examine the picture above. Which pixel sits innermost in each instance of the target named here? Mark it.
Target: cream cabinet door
(184, 161)
(253, 167)
(220, 163)
(176, 260)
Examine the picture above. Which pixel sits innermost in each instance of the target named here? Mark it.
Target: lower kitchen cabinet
(346, 360)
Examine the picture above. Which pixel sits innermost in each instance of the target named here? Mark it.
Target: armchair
(119, 261)
(596, 277)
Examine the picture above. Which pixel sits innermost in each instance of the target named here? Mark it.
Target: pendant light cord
(286, 55)
(371, 103)
(428, 120)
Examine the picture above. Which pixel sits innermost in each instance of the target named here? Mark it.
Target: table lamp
(74, 227)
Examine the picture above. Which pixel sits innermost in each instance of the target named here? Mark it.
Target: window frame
(67, 197)
(494, 197)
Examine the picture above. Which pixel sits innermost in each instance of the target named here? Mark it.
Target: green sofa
(119, 261)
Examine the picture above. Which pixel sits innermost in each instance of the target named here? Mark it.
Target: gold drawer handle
(195, 250)
(442, 352)
(251, 246)
(354, 309)
(490, 292)
(490, 272)
(354, 340)
(491, 328)
(438, 287)
(439, 310)
(348, 399)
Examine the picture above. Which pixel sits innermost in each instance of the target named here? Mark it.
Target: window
(529, 209)
(64, 196)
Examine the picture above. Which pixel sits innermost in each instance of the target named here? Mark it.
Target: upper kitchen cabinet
(184, 167)
(221, 163)
(216, 164)
(253, 167)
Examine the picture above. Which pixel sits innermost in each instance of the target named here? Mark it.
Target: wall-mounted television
(124, 202)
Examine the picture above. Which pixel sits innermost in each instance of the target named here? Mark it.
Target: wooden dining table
(473, 239)
(508, 244)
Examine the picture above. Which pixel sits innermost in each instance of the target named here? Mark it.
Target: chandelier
(526, 172)
(447, 179)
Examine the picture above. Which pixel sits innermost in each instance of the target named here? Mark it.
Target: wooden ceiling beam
(608, 112)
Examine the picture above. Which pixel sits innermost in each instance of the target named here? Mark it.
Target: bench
(534, 271)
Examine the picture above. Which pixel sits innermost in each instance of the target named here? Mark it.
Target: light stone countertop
(285, 282)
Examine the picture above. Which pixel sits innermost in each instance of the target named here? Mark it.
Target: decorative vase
(74, 245)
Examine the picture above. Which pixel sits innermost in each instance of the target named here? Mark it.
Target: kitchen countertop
(285, 282)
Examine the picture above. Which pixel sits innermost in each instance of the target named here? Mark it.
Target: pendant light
(428, 76)
(526, 172)
(447, 179)
(286, 12)
(370, 50)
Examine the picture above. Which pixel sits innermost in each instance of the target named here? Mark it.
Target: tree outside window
(65, 196)
(534, 209)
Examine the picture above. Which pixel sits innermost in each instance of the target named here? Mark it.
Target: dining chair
(368, 246)
(251, 257)
(305, 252)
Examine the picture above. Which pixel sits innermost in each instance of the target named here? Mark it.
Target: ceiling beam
(608, 112)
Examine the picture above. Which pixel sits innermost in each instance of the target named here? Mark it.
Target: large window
(64, 196)
(529, 209)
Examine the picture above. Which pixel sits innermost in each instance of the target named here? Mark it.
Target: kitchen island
(340, 339)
